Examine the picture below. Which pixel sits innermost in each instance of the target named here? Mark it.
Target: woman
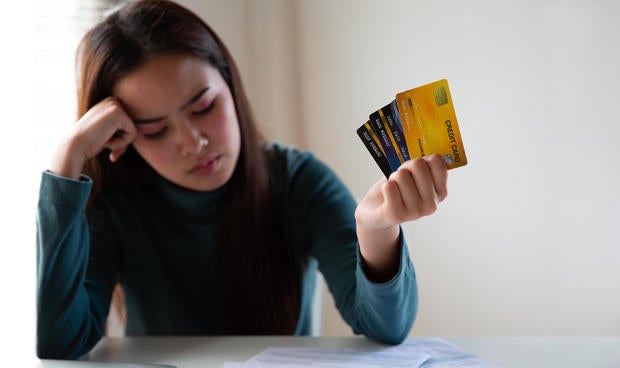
(166, 187)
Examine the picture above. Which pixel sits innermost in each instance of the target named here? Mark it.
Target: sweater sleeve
(324, 216)
(74, 286)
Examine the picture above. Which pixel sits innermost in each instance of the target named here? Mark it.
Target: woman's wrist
(67, 161)
(379, 251)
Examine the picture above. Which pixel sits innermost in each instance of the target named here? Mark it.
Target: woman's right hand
(105, 125)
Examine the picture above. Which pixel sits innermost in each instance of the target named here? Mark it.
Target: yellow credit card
(429, 123)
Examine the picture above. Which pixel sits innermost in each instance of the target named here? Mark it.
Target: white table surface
(506, 352)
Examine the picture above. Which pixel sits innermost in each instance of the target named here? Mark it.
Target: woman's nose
(192, 141)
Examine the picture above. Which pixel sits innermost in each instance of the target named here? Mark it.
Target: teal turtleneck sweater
(163, 247)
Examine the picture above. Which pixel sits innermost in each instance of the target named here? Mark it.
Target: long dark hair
(263, 279)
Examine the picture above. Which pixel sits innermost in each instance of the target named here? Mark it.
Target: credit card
(430, 124)
(371, 141)
(418, 122)
(391, 119)
(385, 139)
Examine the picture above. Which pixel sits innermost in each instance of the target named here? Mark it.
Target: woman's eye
(205, 110)
(154, 135)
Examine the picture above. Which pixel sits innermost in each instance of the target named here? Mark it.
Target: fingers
(394, 210)
(417, 192)
(415, 188)
(104, 125)
(107, 125)
(118, 143)
(115, 155)
(439, 171)
(125, 133)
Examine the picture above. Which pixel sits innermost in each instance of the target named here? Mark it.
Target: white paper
(425, 353)
(315, 357)
(234, 365)
(442, 354)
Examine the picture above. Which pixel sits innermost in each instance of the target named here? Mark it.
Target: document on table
(424, 353)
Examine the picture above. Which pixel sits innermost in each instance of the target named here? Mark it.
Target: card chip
(441, 98)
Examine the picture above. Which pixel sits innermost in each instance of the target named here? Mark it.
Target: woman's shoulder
(300, 165)
(287, 153)
(291, 159)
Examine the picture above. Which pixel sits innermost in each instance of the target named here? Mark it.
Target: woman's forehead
(166, 80)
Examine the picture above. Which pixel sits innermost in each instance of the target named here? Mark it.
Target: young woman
(166, 187)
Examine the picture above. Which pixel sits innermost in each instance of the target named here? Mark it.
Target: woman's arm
(74, 281)
(324, 218)
(413, 191)
(74, 285)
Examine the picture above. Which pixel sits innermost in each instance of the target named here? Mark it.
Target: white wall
(527, 241)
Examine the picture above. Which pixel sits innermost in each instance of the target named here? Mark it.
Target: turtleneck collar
(192, 202)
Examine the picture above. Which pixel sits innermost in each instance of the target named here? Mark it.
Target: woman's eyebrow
(195, 98)
(192, 100)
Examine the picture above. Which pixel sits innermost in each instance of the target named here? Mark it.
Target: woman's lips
(206, 166)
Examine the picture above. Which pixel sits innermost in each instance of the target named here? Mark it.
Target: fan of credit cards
(418, 122)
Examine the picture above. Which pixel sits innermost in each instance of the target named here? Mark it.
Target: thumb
(115, 155)
(118, 145)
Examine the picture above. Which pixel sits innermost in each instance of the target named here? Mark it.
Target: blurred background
(527, 242)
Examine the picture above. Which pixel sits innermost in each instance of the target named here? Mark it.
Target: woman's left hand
(411, 192)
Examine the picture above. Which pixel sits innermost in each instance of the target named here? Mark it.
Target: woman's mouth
(206, 166)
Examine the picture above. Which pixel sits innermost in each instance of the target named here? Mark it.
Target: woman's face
(186, 120)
